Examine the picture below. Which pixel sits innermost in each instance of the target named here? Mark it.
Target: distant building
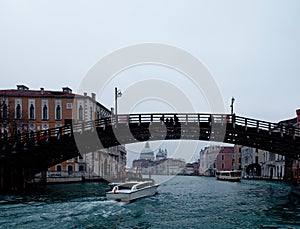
(191, 169)
(143, 166)
(273, 166)
(208, 155)
(216, 158)
(225, 159)
(162, 154)
(169, 166)
(237, 160)
(161, 166)
(147, 153)
(252, 160)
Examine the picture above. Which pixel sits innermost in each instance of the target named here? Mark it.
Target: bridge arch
(45, 149)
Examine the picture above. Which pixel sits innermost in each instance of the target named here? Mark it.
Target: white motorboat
(229, 175)
(132, 190)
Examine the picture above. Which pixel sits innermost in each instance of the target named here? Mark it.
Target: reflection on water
(182, 202)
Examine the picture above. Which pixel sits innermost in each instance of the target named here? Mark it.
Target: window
(4, 110)
(31, 109)
(58, 112)
(58, 168)
(70, 168)
(91, 113)
(45, 112)
(222, 165)
(80, 117)
(222, 157)
(18, 112)
(69, 105)
(31, 112)
(81, 168)
(5, 134)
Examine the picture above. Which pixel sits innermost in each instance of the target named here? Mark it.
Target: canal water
(182, 202)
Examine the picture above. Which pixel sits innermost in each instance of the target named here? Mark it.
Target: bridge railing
(182, 118)
(268, 126)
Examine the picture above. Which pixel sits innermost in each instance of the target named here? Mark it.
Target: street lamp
(118, 94)
(232, 101)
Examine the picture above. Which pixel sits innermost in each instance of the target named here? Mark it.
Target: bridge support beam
(13, 178)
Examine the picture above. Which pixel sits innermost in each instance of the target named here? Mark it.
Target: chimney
(112, 111)
(93, 96)
(67, 90)
(298, 115)
(42, 90)
(22, 88)
(85, 94)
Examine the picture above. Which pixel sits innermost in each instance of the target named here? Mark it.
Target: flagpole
(116, 103)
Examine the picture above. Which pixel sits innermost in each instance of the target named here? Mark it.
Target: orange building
(24, 111)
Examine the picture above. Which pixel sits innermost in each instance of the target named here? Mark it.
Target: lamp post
(231, 106)
(118, 94)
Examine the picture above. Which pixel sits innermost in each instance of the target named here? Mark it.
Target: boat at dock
(132, 190)
(234, 175)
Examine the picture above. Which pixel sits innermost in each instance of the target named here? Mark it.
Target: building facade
(147, 165)
(25, 111)
(273, 166)
(252, 160)
(225, 159)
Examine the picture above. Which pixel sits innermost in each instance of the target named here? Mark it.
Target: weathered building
(252, 160)
(216, 158)
(23, 110)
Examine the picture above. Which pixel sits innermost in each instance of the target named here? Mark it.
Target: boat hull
(232, 179)
(233, 176)
(132, 195)
(295, 191)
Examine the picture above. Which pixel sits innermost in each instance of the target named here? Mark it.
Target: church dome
(147, 153)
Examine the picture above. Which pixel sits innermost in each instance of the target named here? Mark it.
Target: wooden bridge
(22, 156)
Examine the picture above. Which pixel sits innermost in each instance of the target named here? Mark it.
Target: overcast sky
(251, 47)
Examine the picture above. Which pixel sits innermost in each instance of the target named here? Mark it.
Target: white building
(147, 153)
(208, 156)
(273, 166)
(107, 163)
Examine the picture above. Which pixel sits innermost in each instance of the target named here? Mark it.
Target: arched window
(80, 116)
(45, 112)
(70, 168)
(18, 112)
(5, 134)
(58, 113)
(58, 168)
(81, 168)
(19, 135)
(4, 111)
(105, 168)
(31, 112)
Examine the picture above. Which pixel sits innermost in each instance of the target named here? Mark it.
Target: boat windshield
(126, 186)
